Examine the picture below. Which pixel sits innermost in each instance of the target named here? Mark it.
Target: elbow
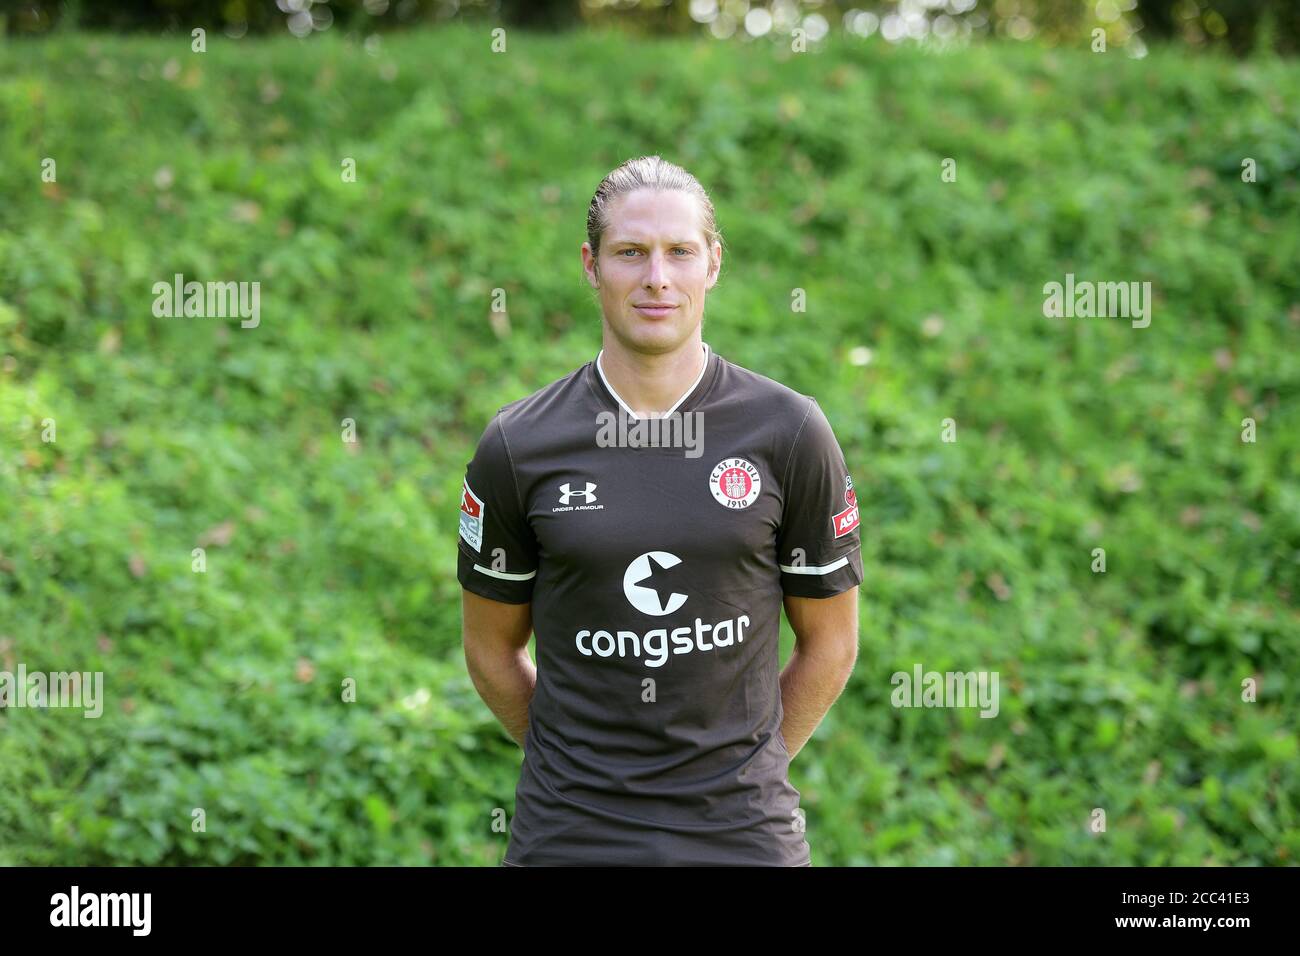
(850, 658)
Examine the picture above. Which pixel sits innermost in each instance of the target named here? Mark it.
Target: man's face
(653, 251)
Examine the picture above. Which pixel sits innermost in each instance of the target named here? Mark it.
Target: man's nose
(654, 270)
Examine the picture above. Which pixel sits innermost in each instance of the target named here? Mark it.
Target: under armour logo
(587, 496)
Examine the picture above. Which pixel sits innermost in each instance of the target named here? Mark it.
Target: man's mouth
(655, 311)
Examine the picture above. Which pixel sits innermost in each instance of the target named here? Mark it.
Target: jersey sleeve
(497, 549)
(818, 545)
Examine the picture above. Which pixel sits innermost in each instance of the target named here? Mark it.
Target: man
(655, 729)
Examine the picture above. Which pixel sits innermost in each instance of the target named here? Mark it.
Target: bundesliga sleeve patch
(846, 520)
(471, 518)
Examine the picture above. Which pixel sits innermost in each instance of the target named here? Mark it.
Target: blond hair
(647, 172)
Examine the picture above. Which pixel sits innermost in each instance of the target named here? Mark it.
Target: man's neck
(651, 385)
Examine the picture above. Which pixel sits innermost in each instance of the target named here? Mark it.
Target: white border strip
(685, 395)
(824, 569)
(503, 575)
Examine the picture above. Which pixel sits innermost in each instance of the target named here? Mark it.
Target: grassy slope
(328, 561)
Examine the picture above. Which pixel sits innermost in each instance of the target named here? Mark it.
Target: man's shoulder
(545, 401)
(763, 394)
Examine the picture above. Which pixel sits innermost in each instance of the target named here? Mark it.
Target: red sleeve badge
(846, 520)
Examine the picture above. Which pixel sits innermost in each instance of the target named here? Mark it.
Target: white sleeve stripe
(504, 575)
(824, 569)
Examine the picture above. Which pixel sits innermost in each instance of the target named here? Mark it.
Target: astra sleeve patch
(846, 520)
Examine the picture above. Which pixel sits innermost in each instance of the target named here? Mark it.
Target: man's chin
(652, 337)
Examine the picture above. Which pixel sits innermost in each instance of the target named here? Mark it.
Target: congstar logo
(654, 584)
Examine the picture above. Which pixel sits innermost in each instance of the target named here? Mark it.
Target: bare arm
(825, 650)
(496, 653)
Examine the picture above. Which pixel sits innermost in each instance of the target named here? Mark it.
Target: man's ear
(715, 265)
(595, 266)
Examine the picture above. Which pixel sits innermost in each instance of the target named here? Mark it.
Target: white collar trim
(685, 395)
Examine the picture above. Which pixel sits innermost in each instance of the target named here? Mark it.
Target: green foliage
(328, 561)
